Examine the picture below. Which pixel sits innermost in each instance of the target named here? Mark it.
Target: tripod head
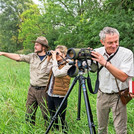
(80, 58)
(75, 70)
(79, 67)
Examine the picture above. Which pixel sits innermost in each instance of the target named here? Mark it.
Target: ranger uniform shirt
(38, 76)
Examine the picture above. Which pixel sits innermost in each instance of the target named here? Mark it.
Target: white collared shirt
(122, 60)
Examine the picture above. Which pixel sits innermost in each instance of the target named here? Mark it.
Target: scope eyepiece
(79, 53)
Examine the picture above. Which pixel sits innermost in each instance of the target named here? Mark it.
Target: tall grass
(14, 83)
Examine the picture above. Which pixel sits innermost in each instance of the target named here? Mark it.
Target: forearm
(112, 69)
(116, 72)
(11, 56)
(59, 72)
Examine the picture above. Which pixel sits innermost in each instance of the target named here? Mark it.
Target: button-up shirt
(122, 60)
(38, 77)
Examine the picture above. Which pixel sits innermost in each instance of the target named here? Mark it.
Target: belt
(38, 88)
(109, 93)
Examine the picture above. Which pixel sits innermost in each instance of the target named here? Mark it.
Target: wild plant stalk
(14, 83)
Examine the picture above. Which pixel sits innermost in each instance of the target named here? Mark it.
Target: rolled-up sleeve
(25, 58)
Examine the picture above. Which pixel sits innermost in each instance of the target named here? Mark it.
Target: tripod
(82, 85)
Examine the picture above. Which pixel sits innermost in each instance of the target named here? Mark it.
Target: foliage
(13, 94)
(61, 22)
(10, 20)
(30, 26)
(121, 17)
(35, 24)
(74, 23)
(68, 17)
(79, 22)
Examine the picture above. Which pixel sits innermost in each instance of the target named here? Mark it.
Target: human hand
(49, 56)
(1, 53)
(53, 55)
(90, 48)
(99, 58)
(76, 63)
(132, 95)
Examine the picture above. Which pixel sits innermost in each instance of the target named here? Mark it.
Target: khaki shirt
(38, 77)
(122, 60)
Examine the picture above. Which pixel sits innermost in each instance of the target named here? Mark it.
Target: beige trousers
(106, 103)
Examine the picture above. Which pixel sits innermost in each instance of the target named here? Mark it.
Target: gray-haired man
(120, 67)
(38, 78)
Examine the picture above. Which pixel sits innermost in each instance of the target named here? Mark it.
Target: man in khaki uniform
(38, 78)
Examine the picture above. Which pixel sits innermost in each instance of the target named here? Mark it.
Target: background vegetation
(74, 23)
(14, 83)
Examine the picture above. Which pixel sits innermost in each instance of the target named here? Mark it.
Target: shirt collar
(107, 55)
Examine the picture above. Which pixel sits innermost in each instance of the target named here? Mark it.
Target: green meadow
(14, 84)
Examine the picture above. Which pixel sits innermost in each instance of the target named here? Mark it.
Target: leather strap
(117, 84)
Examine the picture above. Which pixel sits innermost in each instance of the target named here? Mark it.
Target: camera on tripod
(83, 56)
(80, 59)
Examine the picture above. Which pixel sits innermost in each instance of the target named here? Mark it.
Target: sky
(36, 1)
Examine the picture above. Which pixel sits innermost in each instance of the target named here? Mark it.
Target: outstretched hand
(1, 53)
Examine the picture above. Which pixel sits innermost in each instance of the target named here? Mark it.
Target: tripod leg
(58, 110)
(88, 109)
(79, 102)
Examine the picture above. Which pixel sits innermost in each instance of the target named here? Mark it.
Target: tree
(35, 24)
(118, 14)
(68, 17)
(77, 23)
(10, 20)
